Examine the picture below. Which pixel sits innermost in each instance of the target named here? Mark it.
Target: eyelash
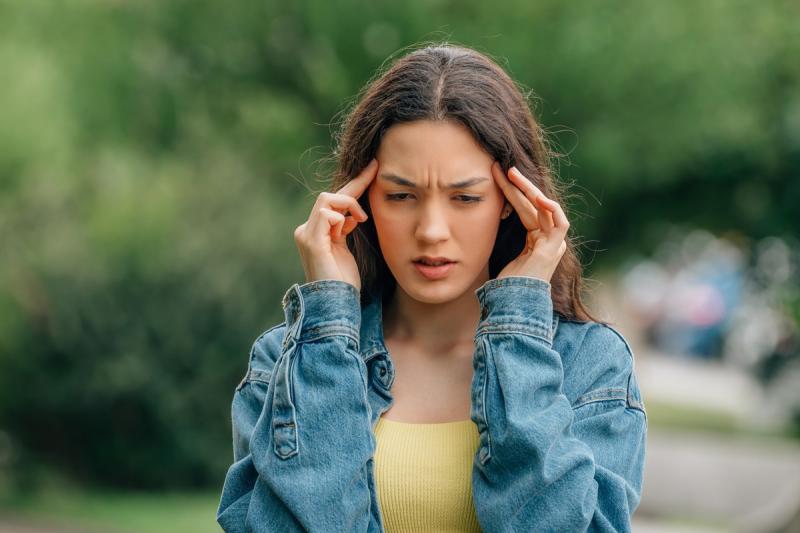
(469, 199)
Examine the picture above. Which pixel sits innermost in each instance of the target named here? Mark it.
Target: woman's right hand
(322, 239)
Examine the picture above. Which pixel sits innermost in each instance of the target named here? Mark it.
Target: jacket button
(382, 372)
(484, 454)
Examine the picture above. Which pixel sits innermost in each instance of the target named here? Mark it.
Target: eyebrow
(457, 185)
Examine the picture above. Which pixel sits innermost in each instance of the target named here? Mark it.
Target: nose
(433, 225)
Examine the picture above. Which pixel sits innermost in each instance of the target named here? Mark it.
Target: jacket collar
(371, 341)
(371, 334)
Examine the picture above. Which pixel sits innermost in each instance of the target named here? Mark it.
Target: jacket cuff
(322, 307)
(520, 303)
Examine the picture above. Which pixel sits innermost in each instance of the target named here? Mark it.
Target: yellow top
(423, 473)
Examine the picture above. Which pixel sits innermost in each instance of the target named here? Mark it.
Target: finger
(533, 193)
(526, 211)
(328, 223)
(560, 217)
(350, 224)
(342, 203)
(545, 215)
(560, 220)
(356, 186)
(530, 190)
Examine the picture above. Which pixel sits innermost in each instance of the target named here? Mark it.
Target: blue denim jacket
(560, 416)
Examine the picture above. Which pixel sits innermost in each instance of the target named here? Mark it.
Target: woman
(437, 370)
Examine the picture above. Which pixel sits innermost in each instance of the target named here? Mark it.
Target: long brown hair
(443, 81)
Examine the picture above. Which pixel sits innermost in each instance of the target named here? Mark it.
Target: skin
(430, 326)
(460, 224)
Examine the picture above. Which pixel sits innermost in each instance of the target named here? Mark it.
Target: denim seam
(263, 376)
(515, 281)
(314, 334)
(290, 356)
(630, 399)
(635, 404)
(322, 284)
(250, 374)
(520, 330)
(529, 323)
(611, 393)
(255, 343)
(485, 387)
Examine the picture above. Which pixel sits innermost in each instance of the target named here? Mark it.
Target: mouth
(433, 261)
(434, 269)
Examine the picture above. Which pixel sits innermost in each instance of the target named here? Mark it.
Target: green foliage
(155, 158)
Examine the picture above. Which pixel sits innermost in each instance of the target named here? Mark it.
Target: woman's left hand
(545, 221)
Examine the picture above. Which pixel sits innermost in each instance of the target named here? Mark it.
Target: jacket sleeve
(303, 438)
(544, 464)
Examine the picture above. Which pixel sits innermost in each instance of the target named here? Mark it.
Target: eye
(469, 199)
(397, 197)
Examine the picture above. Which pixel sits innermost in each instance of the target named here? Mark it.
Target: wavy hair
(448, 82)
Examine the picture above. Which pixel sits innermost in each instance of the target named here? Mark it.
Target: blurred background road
(155, 158)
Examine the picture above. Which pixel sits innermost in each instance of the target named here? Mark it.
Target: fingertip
(370, 168)
(498, 170)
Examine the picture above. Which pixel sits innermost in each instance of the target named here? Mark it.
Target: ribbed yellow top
(423, 474)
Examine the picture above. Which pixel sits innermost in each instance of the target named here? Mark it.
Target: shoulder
(263, 354)
(598, 363)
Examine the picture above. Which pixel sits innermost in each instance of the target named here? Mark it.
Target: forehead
(418, 148)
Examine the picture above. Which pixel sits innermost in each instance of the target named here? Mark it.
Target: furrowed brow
(457, 185)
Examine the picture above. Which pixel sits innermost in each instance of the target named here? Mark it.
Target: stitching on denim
(485, 386)
(249, 373)
(255, 342)
(263, 376)
(515, 281)
(314, 334)
(517, 329)
(630, 399)
(633, 403)
(618, 334)
(323, 284)
(288, 359)
(510, 325)
(528, 323)
(599, 395)
(603, 400)
(328, 328)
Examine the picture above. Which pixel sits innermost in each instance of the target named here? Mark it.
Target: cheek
(479, 230)
(389, 227)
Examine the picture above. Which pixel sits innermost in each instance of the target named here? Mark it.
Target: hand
(545, 221)
(322, 239)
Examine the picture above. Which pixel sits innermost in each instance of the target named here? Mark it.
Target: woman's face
(419, 208)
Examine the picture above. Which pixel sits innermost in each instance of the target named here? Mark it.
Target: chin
(431, 292)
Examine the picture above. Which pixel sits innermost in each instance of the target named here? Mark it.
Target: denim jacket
(560, 416)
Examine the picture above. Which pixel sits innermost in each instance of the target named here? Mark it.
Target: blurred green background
(155, 158)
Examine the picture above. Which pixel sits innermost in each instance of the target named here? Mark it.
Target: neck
(434, 328)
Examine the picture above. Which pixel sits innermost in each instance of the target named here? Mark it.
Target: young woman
(437, 370)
